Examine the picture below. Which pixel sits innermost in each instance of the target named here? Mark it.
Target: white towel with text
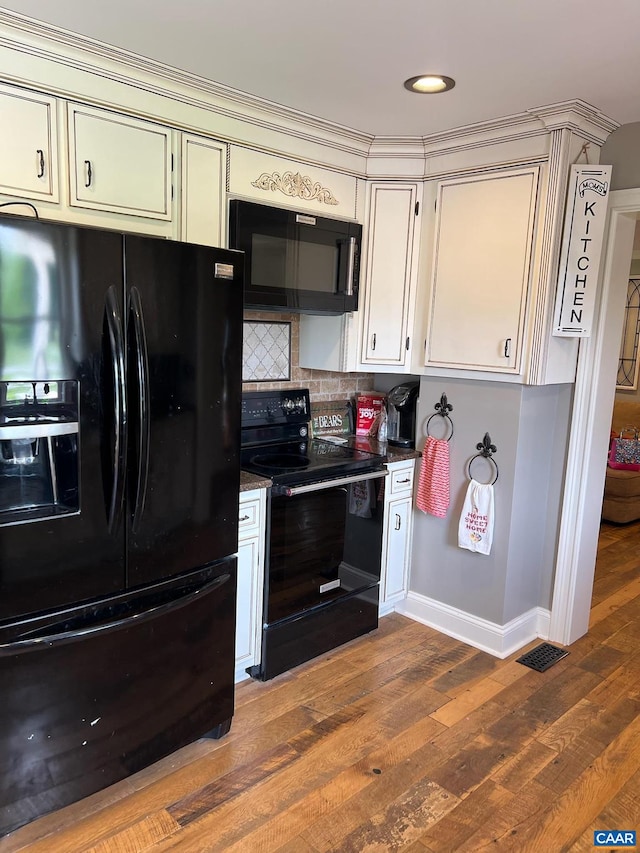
(475, 530)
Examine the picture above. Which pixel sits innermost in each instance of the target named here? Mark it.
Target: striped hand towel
(433, 484)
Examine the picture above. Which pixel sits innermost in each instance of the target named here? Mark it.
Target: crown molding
(579, 117)
(38, 39)
(90, 56)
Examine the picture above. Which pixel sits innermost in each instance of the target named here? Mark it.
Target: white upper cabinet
(119, 163)
(390, 272)
(481, 270)
(28, 144)
(203, 191)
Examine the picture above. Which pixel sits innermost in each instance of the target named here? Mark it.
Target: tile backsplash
(266, 351)
(322, 384)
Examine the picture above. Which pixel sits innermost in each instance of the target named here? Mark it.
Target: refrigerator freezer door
(184, 380)
(56, 324)
(99, 692)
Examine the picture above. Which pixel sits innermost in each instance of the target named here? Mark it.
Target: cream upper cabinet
(119, 164)
(379, 335)
(203, 191)
(28, 144)
(481, 270)
(390, 270)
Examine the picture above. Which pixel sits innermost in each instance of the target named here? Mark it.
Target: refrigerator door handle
(104, 621)
(115, 336)
(141, 360)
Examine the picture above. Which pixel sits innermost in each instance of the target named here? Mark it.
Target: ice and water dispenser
(39, 463)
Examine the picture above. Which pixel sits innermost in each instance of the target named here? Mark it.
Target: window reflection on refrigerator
(38, 401)
(38, 450)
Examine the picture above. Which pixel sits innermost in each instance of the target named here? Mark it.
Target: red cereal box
(368, 408)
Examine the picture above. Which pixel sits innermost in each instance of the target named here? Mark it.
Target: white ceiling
(346, 60)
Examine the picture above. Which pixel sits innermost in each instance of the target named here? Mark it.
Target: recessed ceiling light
(429, 84)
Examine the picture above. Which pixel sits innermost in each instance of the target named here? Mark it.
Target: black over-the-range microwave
(296, 261)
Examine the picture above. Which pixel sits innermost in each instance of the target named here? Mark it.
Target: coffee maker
(402, 401)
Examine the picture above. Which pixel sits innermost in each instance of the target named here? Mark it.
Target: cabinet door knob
(89, 173)
(244, 518)
(398, 522)
(404, 481)
(40, 154)
(507, 348)
(373, 341)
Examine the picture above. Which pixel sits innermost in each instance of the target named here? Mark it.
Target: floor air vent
(542, 657)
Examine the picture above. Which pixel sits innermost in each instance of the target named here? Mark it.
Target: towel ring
(485, 449)
(442, 411)
(493, 462)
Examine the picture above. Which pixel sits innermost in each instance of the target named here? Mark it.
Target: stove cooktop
(303, 461)
(276, 442)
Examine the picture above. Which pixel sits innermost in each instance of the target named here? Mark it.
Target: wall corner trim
(498, 640)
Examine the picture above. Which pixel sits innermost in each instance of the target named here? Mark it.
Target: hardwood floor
(403, 740)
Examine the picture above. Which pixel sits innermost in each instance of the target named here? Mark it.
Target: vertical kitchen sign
(582, 240)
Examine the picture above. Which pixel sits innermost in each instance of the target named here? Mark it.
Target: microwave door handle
(351, 263)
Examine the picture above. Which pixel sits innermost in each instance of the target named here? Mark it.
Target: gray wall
(622, 151)
(529, 426)
(539, 477)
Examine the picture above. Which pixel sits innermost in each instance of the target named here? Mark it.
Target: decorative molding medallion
(296, 185)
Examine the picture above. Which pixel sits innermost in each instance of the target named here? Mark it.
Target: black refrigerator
(120, 382)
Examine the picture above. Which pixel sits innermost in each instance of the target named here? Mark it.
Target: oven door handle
(291, 491)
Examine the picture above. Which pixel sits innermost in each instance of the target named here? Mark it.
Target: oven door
(325, 544)
(323, 569)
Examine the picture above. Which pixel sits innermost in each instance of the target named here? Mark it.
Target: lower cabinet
(396, 542)
(251, 536)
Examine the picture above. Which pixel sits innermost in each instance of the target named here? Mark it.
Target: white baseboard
(241, 674)
(498, 640)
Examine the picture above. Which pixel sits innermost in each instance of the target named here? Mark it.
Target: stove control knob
(303, 432)
(287, 404)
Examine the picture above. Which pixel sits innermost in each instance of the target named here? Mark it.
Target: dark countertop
(253, 481)
(394, 454)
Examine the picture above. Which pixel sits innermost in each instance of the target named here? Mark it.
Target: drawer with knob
(402, 480)
(248, 517)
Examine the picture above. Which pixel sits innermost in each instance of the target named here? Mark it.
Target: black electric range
(323, 532)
